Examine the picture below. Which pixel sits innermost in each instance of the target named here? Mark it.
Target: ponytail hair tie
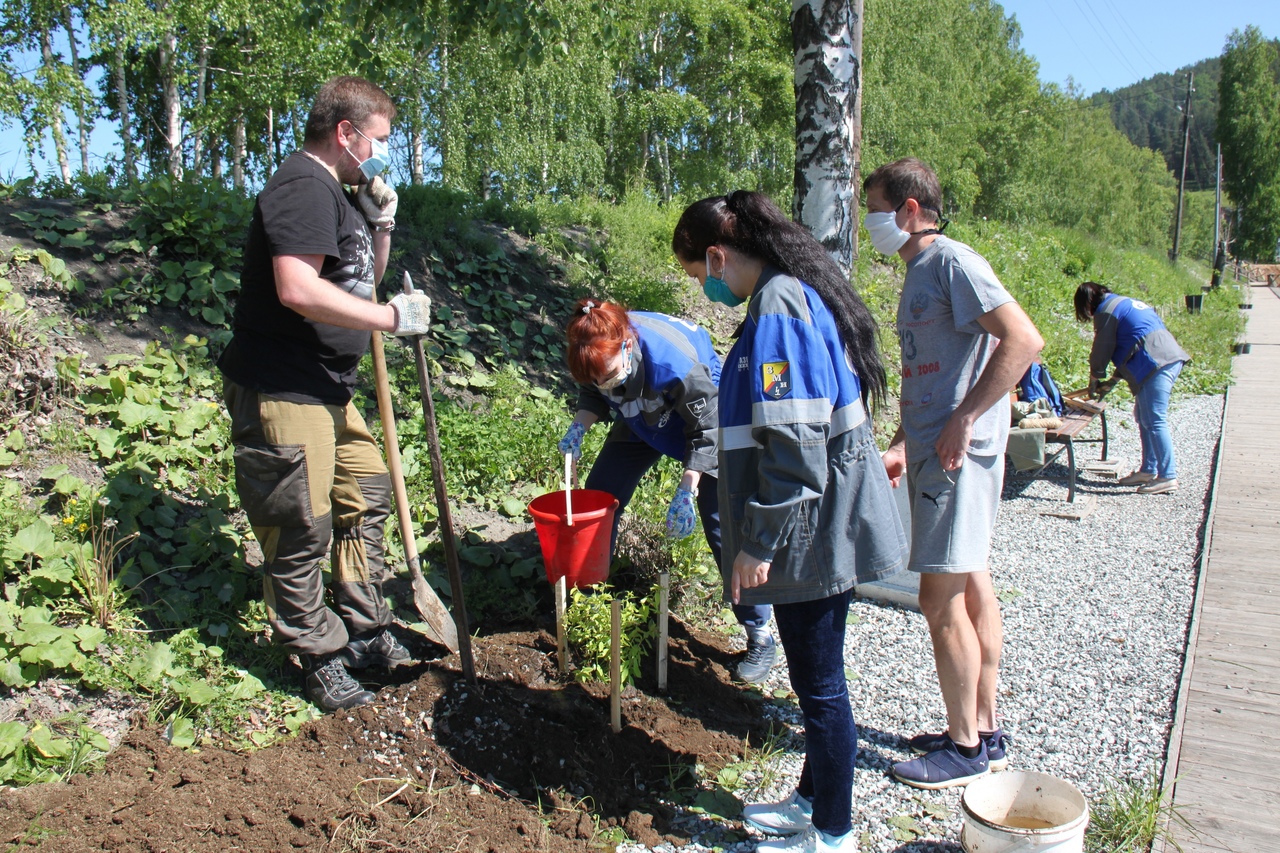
(586, 309)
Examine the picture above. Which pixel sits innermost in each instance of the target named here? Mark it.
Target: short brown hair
(904, 179)
(352, 99)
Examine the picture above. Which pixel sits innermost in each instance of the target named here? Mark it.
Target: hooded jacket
(801, 480)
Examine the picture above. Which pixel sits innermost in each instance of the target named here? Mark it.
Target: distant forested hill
(1149, 113)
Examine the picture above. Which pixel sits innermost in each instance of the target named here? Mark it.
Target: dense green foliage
(670, 99)
(1149, 113)
(1250, 133)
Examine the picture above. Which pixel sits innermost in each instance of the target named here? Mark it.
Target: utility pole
(1182, 182)
(1219, 250)
(1217, 203)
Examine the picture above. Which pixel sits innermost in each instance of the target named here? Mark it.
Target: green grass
(1130, 815)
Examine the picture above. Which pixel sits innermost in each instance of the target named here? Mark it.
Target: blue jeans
(813, 638)
(1152, 411)
(618, 469)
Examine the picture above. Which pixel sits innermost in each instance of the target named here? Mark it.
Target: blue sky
(1097, 44)
(1108, 44)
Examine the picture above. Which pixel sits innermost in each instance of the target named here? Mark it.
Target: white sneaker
(1136, 478)
(792, 815)
(812, 840)
(1159, 486)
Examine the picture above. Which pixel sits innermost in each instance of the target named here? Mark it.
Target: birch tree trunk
(202, 81)
(238, 146)
(55, 108)
(168, 49)
(271, 139)
(122, 107)
(82, 116)
(418, 167)
(827, 38)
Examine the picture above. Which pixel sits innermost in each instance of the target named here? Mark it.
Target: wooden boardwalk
(1224, 750)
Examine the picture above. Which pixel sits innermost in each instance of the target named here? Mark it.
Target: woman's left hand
(748, 572)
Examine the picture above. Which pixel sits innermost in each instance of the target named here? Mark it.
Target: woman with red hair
(656, 377)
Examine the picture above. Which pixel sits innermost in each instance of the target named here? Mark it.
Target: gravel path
(1095, 620)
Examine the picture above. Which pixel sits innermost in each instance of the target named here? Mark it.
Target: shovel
(440, 627)
(442, 502)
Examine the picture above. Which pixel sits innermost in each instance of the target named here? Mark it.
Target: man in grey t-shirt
(965, 344)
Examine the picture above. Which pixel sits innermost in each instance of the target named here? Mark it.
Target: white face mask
(886, 236)
(621, 370)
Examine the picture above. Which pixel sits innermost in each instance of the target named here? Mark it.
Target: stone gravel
(1095, 618)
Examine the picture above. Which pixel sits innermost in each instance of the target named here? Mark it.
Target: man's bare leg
(984, 614)
(957, 653)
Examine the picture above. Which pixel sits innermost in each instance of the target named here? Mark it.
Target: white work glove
(378, 202)
(413, 313)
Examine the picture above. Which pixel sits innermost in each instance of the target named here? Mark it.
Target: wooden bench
(1078, 413)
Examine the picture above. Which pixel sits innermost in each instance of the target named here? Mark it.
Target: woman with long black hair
(807, 509)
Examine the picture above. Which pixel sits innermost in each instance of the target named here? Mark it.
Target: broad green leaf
(106, 439)
(15, 441)
(181, 733)
(89, 637)
(68, 484)
(513, 507)
(156, 663)
(196, 692)
(12, 734)
(250, 685)
(41, 739)
(36, 539)
(13, 674)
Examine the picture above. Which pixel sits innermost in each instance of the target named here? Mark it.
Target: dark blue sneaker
(997, 741)
(762, 654)
(943, 768)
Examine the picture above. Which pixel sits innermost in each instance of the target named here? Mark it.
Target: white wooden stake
(664, 653)
(562, 639)
(615, 668)
(568, 489)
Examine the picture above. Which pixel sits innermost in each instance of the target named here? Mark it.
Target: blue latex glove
(572, 441)
(680, 515)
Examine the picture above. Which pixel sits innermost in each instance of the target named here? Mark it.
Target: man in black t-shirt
(308, 472)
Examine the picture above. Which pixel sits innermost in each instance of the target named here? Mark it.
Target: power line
(1103, 36)
(1072, 36)
(1133, 37)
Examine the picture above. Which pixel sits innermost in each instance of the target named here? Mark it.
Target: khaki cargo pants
(308, 475)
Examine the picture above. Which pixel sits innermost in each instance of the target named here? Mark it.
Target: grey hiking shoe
(330, 686)
(762, 654)
(378, 649)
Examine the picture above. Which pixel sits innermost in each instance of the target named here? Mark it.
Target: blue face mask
(378, 160)
(717, 290)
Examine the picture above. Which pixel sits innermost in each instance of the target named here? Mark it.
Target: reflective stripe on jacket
(801, 479)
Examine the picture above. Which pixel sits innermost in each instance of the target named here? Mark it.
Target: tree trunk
(238, 147)
(827, 39)
(202, 78)
(82, 116)
(172, 106)
(215, 159)
(122, 107)
(55, 112)
(417, 166)
(271, 139)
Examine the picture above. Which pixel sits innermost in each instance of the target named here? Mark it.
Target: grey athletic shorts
(953, 513)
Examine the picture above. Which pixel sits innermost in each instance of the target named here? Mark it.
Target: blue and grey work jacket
(801, 480)
(1130, 334)
(669, 400)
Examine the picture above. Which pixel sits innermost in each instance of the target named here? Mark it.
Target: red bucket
(579, 554)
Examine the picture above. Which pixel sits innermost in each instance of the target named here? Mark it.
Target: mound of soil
(521, 760)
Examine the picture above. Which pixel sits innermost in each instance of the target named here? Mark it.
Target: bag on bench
(1037, 384)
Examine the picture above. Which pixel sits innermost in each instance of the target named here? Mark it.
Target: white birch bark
(168, 50)
(55, 110)
(827, 38)
(122, 107)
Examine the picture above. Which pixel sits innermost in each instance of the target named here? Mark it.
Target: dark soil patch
(522, 760)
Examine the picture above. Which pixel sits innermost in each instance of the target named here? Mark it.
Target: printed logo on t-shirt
(697, 407)
(744, 362)
(662, 421)
(919, 302)
(1139, 304)
(777, 378)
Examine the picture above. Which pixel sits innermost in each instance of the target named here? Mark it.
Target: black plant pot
(1195, 301)
(1241, 349)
